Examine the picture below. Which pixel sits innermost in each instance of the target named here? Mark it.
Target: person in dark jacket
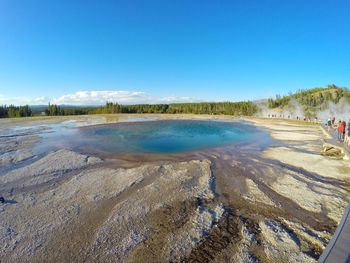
(329, 124)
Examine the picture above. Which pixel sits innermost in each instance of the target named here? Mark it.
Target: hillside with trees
(312, 100)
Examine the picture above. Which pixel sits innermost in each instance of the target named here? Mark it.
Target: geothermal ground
(279, 204)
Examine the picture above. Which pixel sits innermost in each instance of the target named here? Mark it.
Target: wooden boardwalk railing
(338, 249)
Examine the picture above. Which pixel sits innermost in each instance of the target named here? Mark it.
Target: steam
(293, 110)
(341, 111)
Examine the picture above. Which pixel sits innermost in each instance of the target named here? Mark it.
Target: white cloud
(174, 99)
(97, 98)
(23, 100)
(100, 97)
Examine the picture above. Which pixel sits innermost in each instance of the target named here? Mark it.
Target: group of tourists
(341, 128)
(282, 116)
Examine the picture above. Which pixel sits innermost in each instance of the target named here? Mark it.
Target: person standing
(329, 124)
(340, 130)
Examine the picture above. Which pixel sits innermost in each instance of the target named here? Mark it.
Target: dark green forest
(12, 111)
(229, 108)
(56, 110)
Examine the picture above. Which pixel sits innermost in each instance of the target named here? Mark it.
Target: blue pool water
(172, 136)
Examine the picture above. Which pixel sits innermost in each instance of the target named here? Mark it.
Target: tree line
(12, 111)
(229, 108)
(56, 110)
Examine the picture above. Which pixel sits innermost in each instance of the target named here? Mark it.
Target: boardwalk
(338, 249)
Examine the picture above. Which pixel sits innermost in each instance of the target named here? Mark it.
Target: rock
(332, 151)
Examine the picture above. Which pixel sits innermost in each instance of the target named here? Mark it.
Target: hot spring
(153, 137)
(172, 136)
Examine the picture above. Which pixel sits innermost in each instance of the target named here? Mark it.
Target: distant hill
(311, 100)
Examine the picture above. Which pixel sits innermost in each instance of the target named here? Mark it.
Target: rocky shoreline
(281, 204)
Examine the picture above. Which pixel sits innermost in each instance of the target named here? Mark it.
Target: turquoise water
(173, 136)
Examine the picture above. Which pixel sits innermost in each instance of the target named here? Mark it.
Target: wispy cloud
(100, 97)
(97, 98)
(23, 100)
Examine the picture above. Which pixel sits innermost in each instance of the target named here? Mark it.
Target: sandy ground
(278, 205)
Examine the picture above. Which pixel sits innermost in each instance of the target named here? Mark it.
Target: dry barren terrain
(279, 204)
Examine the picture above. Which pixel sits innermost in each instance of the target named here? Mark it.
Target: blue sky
(164, 51)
